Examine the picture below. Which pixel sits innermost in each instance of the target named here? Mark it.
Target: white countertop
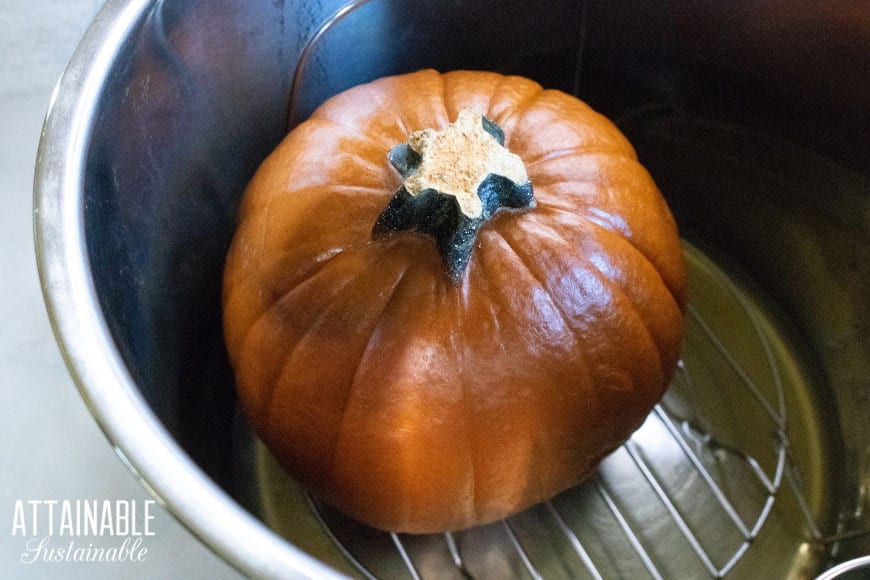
(50, 447)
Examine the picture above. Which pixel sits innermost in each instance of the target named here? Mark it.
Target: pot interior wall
(202, 96)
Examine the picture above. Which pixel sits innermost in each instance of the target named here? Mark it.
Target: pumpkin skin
(417, 404)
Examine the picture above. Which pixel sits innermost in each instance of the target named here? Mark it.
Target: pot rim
(82, 332)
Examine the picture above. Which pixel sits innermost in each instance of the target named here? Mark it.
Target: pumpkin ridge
(630, 243)
(534, 474)
(331, 457)
(442, 117)
(459, 360)
(385, 107)
(285, 195)
(402, 122)
(630, 246)
(517, 110)
(615, 234)
(626, 300)
(495, 91)
(342, 426)
(443, 99)
(276, 303)
(322, 117)
(577, 151)
(615, 194)
(378, 91)
(341, 189)
(450, 95)
(313, 268)
(267, 404)
(648, 259)
(558, 307)
(623, 297)
(311, 264)
(496, 321)
(562, 118)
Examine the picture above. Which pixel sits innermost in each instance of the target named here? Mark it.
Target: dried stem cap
(455, 180)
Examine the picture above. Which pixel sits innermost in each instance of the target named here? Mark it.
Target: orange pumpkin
(421, 390)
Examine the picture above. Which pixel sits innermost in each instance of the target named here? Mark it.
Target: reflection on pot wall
(199, 100)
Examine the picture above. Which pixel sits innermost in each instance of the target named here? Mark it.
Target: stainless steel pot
(755, 121)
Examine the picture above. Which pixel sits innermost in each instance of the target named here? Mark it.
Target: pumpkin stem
(454, 181)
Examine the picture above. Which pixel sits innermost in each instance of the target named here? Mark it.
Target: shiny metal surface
(72, 183)
(168, 107)
(50, 445)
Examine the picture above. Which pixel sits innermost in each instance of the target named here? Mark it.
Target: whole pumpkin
(419, 398)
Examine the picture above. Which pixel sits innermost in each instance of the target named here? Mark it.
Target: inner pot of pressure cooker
(751, 119)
